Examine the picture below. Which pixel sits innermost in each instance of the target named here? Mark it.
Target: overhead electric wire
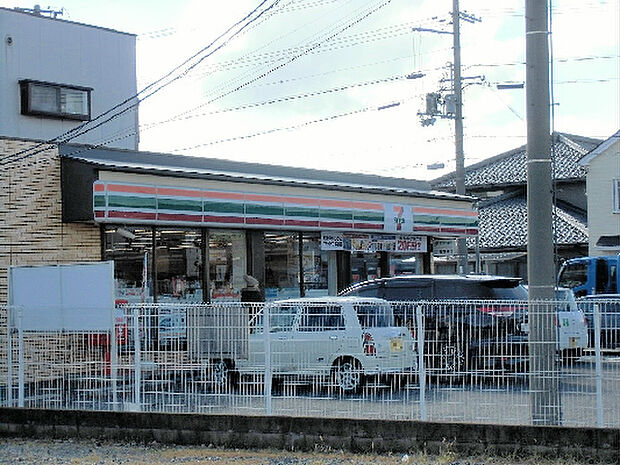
(289, 7)
(344, 42)
(282, 99)
(261, 65)
(310, 48)
(148, 126)
(299, 125)
(77, 131)
(560, 60)
(314, 46)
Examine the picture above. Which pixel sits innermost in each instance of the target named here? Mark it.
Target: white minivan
(572, 329)
(341, 341)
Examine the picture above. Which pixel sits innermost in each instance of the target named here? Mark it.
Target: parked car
(463, 330)
(341, 341)
(609, 308)
(571, 324)
(570, 321)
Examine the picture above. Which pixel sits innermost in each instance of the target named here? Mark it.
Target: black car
(609, 308)
(471, 322)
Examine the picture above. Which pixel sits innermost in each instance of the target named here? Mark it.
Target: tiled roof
(503, 224)
(510, 168)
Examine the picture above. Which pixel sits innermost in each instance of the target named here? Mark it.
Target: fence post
(598, 365)
(136, 359)
(113, 360)
(20, 358)
(9, 359)
(421, 367)
(267, 334)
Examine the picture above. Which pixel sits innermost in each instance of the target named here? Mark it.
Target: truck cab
(591, 275)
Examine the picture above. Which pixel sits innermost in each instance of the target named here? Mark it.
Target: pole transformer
(458, 127)
(545, 401)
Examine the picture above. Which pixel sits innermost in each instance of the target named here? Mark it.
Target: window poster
(370, 243)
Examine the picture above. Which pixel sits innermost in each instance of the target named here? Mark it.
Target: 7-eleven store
(189, 229)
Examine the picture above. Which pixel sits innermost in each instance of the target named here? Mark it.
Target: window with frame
(55, 100)
(616, 196)
(321, 318)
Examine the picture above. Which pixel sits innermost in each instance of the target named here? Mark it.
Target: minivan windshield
(573, 275)
(374, 315)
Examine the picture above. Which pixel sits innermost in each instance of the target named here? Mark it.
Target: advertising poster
(332, 241)
(361, 243)
(411, 244)
(370, 243)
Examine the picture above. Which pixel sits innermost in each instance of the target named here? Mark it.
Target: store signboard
(128, 203)
(371, 243)
(76, 297)
(411, 244)
(332, 241)
(398, 218)
(444, 247)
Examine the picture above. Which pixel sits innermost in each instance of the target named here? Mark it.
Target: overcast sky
(321, 110)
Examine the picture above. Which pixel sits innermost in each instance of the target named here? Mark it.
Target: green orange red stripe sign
(116, 202)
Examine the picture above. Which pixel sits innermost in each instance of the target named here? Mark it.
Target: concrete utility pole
(458, 126)
(545, 400)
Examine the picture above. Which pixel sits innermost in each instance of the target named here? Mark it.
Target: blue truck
(591, 275)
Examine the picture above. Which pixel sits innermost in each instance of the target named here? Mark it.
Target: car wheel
(222, 376)
(347, 375)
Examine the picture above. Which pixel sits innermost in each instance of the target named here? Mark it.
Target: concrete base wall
(315, 433)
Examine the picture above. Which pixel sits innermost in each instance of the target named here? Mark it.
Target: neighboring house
(603, 192)
(57, 74)
(500, 183)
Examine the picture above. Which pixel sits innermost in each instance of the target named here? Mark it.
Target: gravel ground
(82, 452)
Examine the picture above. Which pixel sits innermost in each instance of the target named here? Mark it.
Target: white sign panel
(411, 244)
(77, 297)
(442, 247)
(332, 241)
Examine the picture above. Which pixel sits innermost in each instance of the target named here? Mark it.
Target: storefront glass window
(227, 264)
(364, 266)
(131, 250)
(315, 266)
(281, 265)
(179, 265)
(403, 264)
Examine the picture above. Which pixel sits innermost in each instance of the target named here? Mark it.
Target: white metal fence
(463, 361)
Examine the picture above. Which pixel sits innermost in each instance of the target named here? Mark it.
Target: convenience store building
(188, 229)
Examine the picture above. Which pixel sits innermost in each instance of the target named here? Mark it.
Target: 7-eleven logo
(398, 217)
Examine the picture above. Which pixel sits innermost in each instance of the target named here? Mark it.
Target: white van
(571, 324)
(339, 340)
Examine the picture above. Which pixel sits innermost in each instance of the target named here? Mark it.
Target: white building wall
(602, 220)
(63, 52)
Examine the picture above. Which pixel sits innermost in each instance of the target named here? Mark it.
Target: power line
(314, 46)
(299, 125)
(77, 131)
(283, 99)
(308, 49)
(289, 7)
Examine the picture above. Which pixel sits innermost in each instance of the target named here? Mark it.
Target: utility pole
(457, 89)
(545, 399)
(453, 109)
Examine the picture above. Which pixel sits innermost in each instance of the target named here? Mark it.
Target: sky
(322, 83)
